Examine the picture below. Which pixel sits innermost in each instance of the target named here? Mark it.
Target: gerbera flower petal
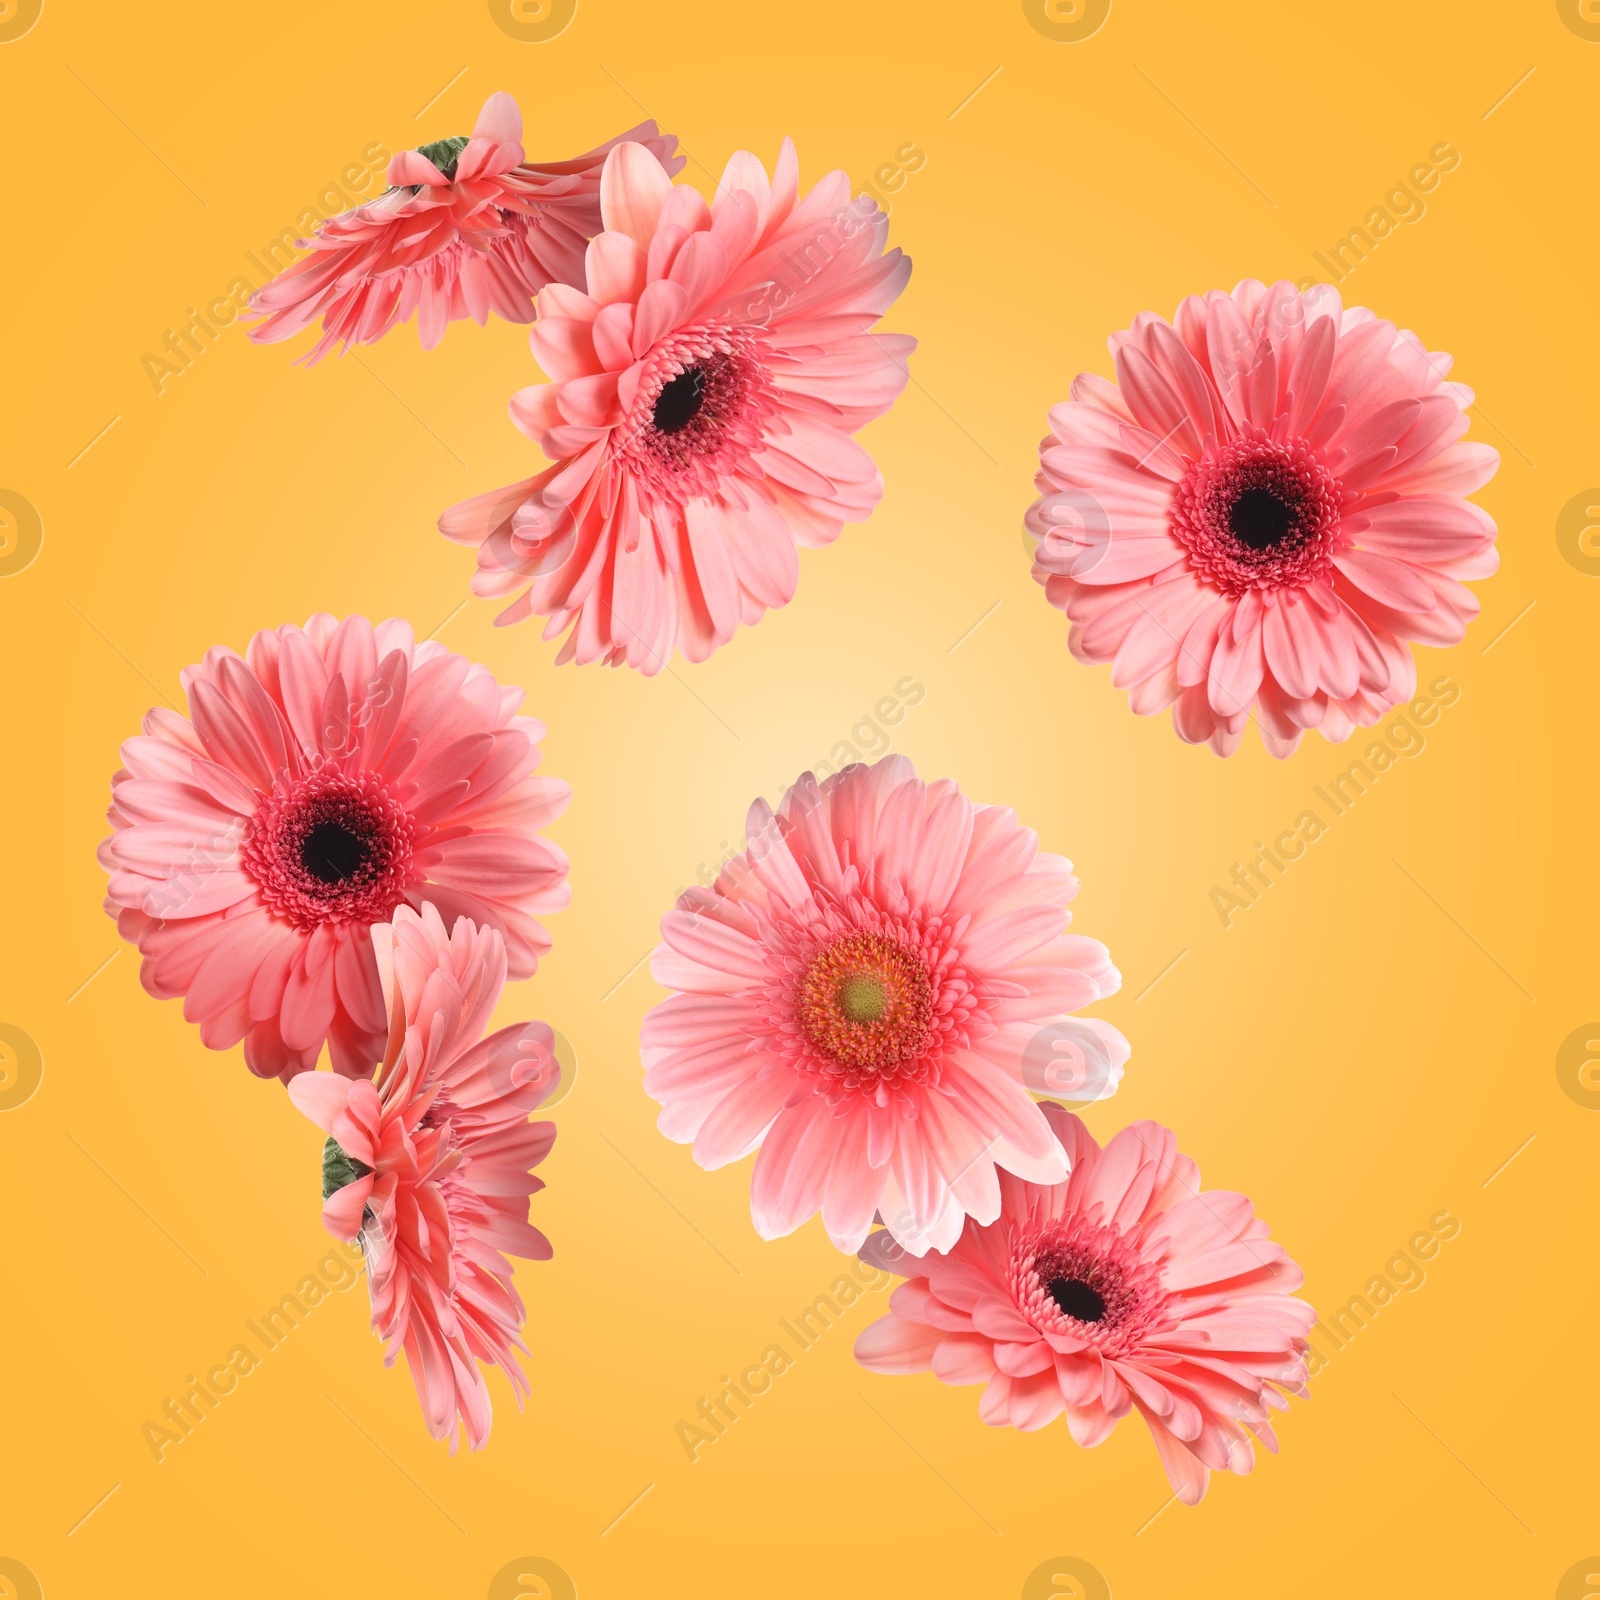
(1123, 1288)
(704, 389)
(1266, 503)
(430, 1166)
(467, 227)
(333, 774)
(857, 998)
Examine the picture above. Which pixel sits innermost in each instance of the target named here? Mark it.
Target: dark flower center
(332, 853)
(1075, 1298)
(1258, 514)
(331, 847)
(699, 413)
(680, 400)
(1260, 519)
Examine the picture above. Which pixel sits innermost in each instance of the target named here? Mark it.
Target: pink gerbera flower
(867, 995)
(328, 778)
(706, 382)
(1123, 1288)
(466, 227)
(429, 1167)
(1261, 512)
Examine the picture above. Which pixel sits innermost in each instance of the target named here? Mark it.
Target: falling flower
(706, 381)
(430, 1166)
(329, 777)
(1260, 514)
(466, 227)
(866, 996)
(1122, 1288)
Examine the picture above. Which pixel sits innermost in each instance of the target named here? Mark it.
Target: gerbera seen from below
(329, 776)
(866, 996)
(430, 1167)
(466, 227)
(1263, 513)
(706, 381)
(1124, 1288)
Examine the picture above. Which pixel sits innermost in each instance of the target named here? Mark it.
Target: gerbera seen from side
(1124, 1288)
(706, 381)
(328, 777)
(430, 1167)
(1263, 513)
(466, 227)
(866, 997)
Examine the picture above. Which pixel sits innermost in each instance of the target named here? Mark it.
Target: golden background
(1374, 1041)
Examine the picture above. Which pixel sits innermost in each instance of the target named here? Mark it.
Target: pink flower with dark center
(430, 1166)
(1262, 513)
(1123, 1288)
(868, 996)
(328, 778)
(330, 848)
(706, 378)
(466, 227)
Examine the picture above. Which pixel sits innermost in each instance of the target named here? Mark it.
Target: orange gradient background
(1374, 1041)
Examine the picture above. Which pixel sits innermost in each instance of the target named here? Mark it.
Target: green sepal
(444, 153)
(339, 1168)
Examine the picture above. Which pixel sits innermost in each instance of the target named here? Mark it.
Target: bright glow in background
(1364, 1047)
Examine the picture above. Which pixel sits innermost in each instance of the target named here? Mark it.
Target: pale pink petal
(707, 381)
(440, 1199)
(873, 922)
(1269, 491)
(461, 232)
(1124, 1288)
(332, 774)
